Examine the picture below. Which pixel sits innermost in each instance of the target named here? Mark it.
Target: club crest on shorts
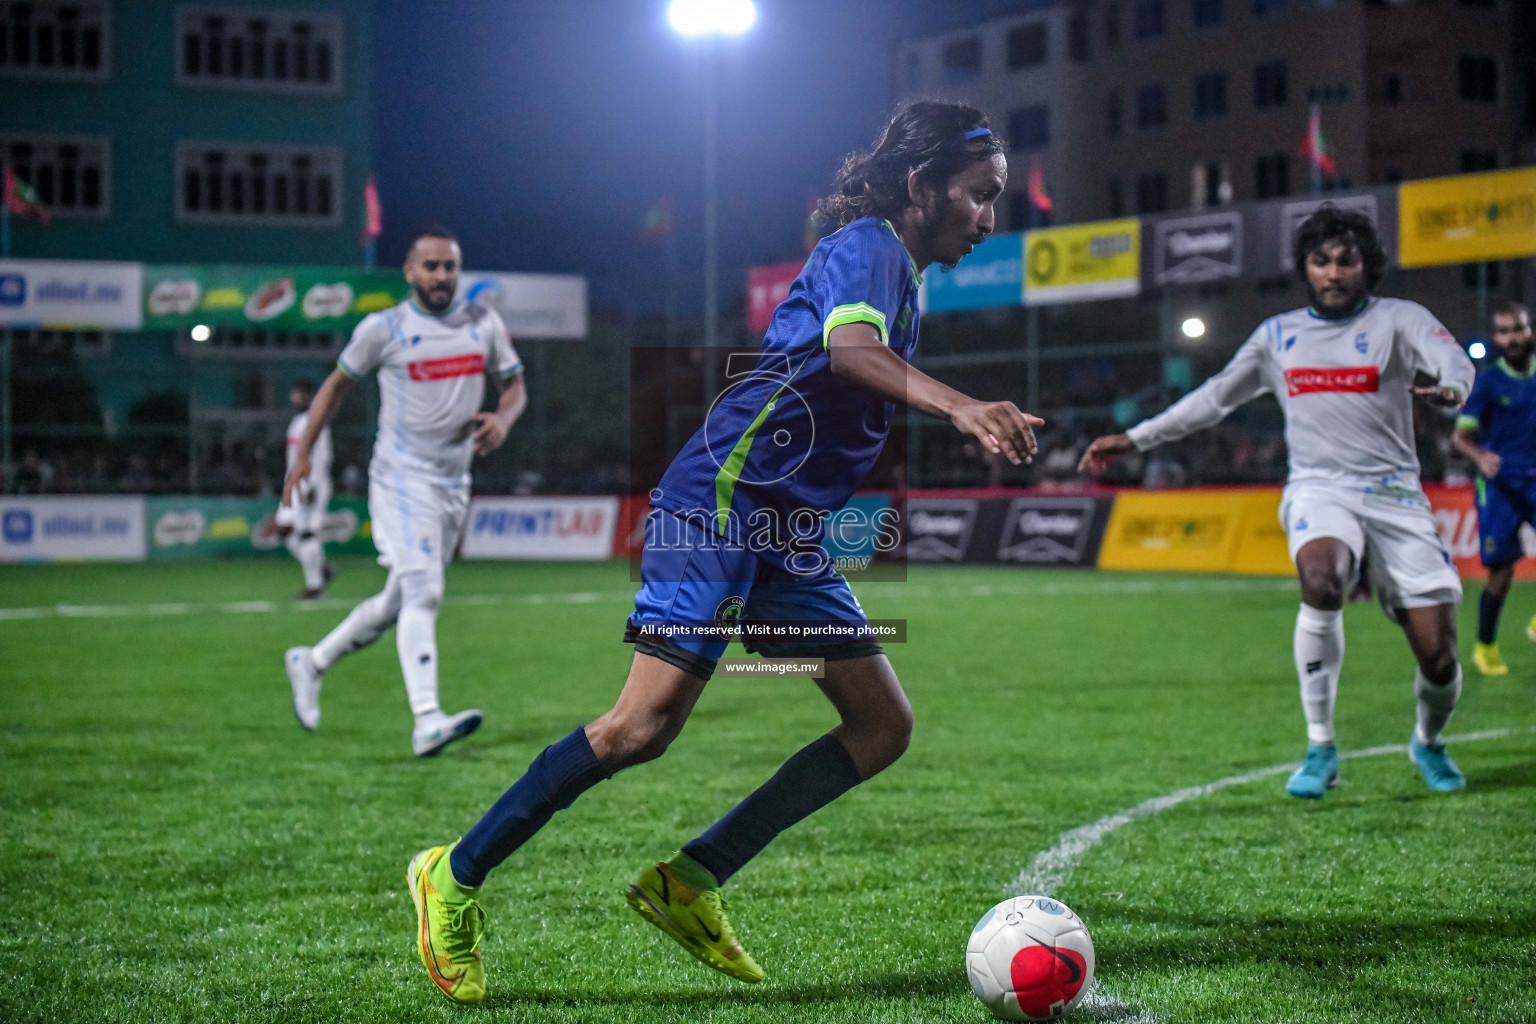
(728, 613)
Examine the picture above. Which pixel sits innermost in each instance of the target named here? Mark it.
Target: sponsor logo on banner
(324, 301)
(1455, 512)
(174, 297)
(1190, 249)
(939, 529)
(532, 305)
(208, 527)
(1101, 260)
(540, 528)
(447, 368)
(271, 300)
(766, 288)
(1292, 215)
(992, 275)
(173, 528)
(71, 293)
(1309, 380)
(1047, 531)
(71, 528)
(1468, 218)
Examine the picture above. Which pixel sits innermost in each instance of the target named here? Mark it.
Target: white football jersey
(319, 456)
(1342, 384)
(431, 383)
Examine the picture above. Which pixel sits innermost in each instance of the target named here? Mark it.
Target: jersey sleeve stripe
(511, 371)
(856, 313)
(1465, 422)
(341, 364)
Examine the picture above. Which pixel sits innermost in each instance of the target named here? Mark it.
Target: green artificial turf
(174, 848)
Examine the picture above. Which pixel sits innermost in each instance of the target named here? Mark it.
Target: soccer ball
(1029, 958)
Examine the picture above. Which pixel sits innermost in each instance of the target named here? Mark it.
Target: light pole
(711, 19)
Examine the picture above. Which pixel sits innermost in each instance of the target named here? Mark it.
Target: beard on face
(1350, 301)
(426, 298)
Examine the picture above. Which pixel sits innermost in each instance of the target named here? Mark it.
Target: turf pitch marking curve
(1052, 868)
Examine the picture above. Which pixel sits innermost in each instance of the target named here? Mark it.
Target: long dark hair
(924, 136)
(1332, 224)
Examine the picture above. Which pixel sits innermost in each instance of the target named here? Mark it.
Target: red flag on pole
(1315, 147)
(21, 200)
(373, 211)
(1037, 196)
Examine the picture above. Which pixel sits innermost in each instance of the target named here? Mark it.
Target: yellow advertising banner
(1201, 530)
(1101, 260)
(1468, 218)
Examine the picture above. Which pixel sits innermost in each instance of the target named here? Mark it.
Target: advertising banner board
(540, 528)
(1099, 260)
(991, 276)
(70, 293)
(220, 527)
(532, 305)
(1277, 222)
(1204, 247)
(71, 528)
(278, 298)
(1468, 218)
(766, 288)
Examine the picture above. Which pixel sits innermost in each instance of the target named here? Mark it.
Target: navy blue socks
(1488, 608)
(815, 776)
(561, 773)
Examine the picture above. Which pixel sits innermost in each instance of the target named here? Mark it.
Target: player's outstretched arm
(858, 357)
(1488, 463)
(1102, 452)
(321, 411)
(491, 428)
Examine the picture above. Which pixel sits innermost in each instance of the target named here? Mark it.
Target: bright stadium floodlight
(1477, 350)
(1194, 327)
(711, 17)
(202, 332)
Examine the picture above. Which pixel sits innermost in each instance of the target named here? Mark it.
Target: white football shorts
(1409, 564)
(417, 522)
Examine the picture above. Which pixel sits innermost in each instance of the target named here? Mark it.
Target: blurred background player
(844, 338)
(302, 520)
(1344, 372)
(1497, 431)
(431, 354)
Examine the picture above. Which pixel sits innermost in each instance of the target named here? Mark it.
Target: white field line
(1052, 868)
(1088, 585)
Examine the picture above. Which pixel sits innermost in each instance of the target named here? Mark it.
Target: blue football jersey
(787, 441)
(1502, 409)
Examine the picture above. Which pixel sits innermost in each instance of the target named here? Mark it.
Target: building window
(248, 48)
(1269, 84)
(1479, 79)
(1027, 46)
(239, 183)
(914, 71)
(1114, 115)
(1336, 93)
(260, 343)
(1272, 176)
(1149, 19)
(72, 174)
(56, 40)
(1116, 198)
(61, 342)
(1268, 8)
(1207, 13)
(1152, 192)
(1112, 26)
(1210, 184)
(1077, 37)
(1392, 88)
(1029, 128)
(962, 60)
(1210, 96)
(1474, 160)
(1151, 106)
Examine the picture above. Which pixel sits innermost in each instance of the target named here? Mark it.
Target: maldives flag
(1315, 147)
(373, 212)
(1037, 198)
(21, 200)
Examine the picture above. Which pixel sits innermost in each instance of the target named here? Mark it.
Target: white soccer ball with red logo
(1029, 958)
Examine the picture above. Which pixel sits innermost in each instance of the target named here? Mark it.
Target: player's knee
(1439, 665)
(422, 590)
(881, 735)
(622, 741)
(1322, 587)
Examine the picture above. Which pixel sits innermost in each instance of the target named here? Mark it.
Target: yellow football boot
(449, 928)
(694, 917)
(1488, 660)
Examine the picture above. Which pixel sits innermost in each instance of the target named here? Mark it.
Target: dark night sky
(541, 131)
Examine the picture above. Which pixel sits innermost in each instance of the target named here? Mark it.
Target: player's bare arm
(1439, 394)
(1102, 452)
(1488, 463)
(858, 357)
(491, 428)
(327, 400)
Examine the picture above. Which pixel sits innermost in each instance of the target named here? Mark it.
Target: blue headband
(975, 133)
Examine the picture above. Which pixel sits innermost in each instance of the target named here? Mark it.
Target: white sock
(416, 639)
(362, 626)
(1319, 650)
(1435, 705)
(312, 560)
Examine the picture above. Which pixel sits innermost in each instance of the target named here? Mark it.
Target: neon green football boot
(449, 927)
(695, 917)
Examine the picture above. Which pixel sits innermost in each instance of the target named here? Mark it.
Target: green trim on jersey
(854, 313)
(1465, 422)
(917, 275)
(1527, 375)
(508, 374)
(730, 472)
(344, 368)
